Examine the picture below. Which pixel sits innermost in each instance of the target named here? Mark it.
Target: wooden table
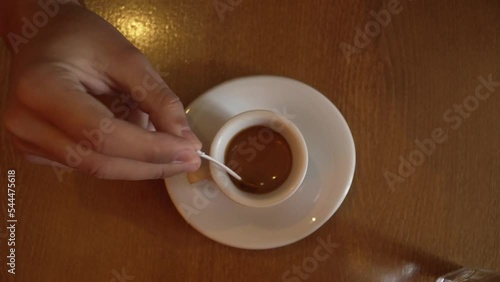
(400, 87)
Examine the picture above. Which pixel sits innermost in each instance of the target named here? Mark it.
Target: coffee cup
(270, 126)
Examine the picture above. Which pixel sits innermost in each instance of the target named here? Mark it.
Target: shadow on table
(366, 255)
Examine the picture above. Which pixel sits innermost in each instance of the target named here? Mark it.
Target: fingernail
(188, 134)
(192, 167)
(185, 156)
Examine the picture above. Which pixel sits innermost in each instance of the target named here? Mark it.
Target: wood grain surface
(400, 87)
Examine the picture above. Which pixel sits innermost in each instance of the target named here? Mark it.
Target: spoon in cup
(230, 171)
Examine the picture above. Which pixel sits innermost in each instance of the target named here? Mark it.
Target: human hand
(54, 114)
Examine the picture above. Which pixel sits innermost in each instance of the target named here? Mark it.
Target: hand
(54, 114)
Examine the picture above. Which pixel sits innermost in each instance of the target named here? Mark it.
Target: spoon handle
(230, 171)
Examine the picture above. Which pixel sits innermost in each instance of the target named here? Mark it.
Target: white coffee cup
(277, 123)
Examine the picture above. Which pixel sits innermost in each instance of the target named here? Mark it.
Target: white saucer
(329, 176)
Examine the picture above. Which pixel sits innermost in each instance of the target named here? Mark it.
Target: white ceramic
(329, 175)
(277, 123)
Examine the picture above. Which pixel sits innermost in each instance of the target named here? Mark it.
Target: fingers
(60, 100)
(138, 118)
(54, 145)
(33, 154)
(43, 161)
(152, 95)
(26, 148)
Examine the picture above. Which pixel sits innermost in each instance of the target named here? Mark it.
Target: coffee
(262, 157)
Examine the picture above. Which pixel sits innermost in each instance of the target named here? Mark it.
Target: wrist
(22, 19)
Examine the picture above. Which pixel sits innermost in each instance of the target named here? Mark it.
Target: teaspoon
(230, 171)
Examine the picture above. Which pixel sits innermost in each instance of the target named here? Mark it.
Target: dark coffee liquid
(262, 157)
